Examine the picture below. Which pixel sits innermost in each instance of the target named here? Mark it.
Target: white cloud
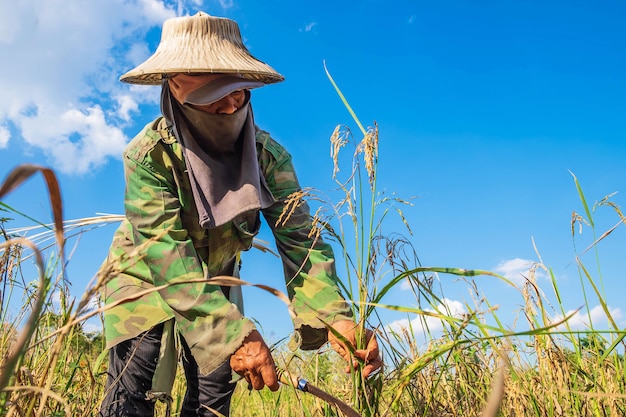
(517, 270)
(422, 324)
(226, 4)
(157, 11)
(406, 284)
(126, 104)
(5, 135)
(308, 27)
(61, 63)
(583, 320)
(92, 327)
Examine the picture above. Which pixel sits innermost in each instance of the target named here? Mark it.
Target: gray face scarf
(221, 159)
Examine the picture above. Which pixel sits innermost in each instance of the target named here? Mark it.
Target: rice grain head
(295, 200)
(338, 140)
(369, 148)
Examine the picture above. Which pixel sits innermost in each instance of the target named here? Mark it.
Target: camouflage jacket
(161, 243)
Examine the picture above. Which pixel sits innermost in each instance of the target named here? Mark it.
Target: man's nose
(227, 105)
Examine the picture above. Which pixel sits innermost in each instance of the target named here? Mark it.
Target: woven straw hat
(201, 44)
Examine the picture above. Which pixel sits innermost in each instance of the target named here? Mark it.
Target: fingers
(370, 356)
(259, 376)
(268, 376)
(254, 362)
(256, 380)
(372, 366)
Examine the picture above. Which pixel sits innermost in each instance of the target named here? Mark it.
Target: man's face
(227, 105)
(183, 84)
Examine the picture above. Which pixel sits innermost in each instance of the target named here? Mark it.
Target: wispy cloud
(59, 81)
(595, 318)
(411, 19)
(226, 4)
(517, 270)
(308, 27)
(423, 324)
(4, 137)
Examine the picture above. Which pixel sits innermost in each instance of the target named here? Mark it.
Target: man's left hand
(370, 355)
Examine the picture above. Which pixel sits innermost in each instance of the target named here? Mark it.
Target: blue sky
(485, 108)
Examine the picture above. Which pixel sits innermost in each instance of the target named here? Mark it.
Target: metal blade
(305, 386)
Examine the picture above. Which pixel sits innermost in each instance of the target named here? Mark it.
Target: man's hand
(370, 355)
(254, 362)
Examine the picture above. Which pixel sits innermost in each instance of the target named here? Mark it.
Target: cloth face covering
(221, 160)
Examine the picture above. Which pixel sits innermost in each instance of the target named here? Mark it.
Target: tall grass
(439, 363)
(48, 361)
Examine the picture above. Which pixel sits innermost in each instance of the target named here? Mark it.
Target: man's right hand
(254, 362)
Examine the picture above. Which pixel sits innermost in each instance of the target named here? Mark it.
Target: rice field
(475, 366)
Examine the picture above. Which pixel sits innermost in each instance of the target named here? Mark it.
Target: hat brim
(220, 88)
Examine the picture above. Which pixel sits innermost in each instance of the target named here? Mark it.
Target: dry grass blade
(21, 174)
(74, 226)
(229, 281)
(47, 393)
(223, 280)
(497, 389)
(8, 365)
(604, 235)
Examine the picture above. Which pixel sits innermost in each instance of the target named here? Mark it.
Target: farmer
(197, 180)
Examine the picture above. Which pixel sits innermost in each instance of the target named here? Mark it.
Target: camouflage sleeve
(309, 263)
(208, 321)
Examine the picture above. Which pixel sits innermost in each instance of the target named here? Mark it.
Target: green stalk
(364, 236)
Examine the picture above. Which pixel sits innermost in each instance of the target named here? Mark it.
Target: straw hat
(201, 44)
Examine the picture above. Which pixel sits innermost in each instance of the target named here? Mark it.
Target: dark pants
(131, 366)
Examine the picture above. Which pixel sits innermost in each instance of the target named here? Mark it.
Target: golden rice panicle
(338, 140)
(295, 200)
(579, 220)
(317, 224)
(369, 148)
